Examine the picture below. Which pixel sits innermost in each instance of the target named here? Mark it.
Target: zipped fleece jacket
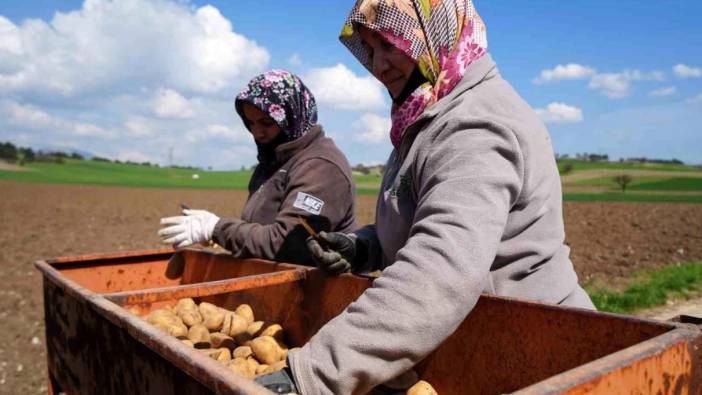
(470, 203)
(314, 182)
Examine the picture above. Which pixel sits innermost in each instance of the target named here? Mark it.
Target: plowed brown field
(608, 241)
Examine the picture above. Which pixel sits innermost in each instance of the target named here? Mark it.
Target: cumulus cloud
(339, 88)
(618, 85)
(570, 71)
(666, 91)
(171, 104)
(372, 129)
(126, 45)
(218, 132)
(33, 118)
(560, 113)
(685, 71)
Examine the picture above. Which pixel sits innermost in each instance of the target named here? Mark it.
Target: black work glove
(280, 382)
(333, 252)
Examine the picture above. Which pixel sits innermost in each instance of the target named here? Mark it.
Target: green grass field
(580, 165)
(651, 289)
(106, 173)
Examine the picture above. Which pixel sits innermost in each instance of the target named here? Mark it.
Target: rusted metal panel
(213, 288)
(96, 347)
(667, 364)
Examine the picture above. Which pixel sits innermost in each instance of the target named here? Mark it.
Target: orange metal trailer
(96, 344)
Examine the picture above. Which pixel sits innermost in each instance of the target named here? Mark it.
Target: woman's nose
(380, 65)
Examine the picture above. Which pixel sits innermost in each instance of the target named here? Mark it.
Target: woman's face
(389, 65)
(262, 127)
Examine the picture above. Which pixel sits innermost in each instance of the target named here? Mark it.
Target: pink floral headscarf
(444, 37)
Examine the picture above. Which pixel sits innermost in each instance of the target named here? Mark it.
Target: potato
(252, 364)
(262, 369)
(422, 388)
(188, 343)
(243, 352)
(207, 308)
(246, 312)
(243, 339)
(200, 336)
(267, 350)
(224, 354)
(255, 328)
(238, 325)
(275, 331)
(210, 352)
(242, 367)
(177, 330)
(191, 318)
(219, 340)
(159, 315)
(185, 304)
(213, 320)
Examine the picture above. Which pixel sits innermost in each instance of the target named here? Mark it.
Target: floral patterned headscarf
(443, 37)
(282, 95)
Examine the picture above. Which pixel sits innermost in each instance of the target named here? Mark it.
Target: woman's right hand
(332, 252)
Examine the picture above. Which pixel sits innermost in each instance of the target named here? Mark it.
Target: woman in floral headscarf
(301, 173)
(470, 200)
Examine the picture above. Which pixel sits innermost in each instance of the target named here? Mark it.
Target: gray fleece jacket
(470, 203)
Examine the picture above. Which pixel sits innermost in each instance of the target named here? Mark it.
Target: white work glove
(196, 226)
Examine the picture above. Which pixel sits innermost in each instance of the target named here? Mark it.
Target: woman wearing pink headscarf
(470, 200)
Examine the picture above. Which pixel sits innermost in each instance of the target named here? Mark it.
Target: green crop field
(581, 165)
(658, 183)
(653, 188)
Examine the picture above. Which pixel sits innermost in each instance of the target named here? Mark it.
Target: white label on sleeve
(308, 203)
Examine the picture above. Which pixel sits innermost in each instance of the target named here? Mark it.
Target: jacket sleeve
(466, 184)
(312, 183)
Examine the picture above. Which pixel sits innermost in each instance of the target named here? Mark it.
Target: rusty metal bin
(95, 344)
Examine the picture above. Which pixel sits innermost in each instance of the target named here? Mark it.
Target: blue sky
(131, 79)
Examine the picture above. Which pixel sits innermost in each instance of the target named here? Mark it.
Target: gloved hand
(334, 252)
(279, 382)
(196, 226)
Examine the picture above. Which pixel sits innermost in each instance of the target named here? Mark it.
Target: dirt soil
(608, 241)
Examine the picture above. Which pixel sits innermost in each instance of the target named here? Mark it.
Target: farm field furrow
(609, 242)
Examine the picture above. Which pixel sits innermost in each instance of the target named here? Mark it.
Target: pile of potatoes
(248, 347)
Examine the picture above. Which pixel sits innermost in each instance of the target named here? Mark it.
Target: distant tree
(100, 159)
(8, 152)
(623, 180)
(567, 168)
(77, 156)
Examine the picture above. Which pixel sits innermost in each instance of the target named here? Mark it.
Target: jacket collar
(286, 151)
(484, 68)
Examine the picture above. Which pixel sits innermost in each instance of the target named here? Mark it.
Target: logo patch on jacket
(308, 203)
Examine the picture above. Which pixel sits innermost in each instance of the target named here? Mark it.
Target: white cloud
(110, 47)
(666, 91)
(618, 85)
(139, 127)
(133, 156)
(571, 71)
(34, 118)
(215, 132)
(295, 60)
(341, 89)
(171, 104)
(695, 99)
(684, 71)
(560, 113)
(372, 129)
